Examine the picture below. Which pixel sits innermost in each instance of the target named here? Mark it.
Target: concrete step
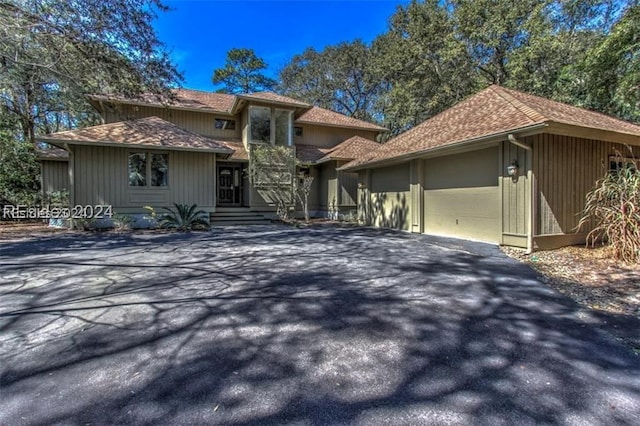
(240, 222)
(228, 216)
(232, 210)
(223, 218)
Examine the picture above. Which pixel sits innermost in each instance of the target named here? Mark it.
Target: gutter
(532, 198)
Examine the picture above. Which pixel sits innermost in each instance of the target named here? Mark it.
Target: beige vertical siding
(197, 122)
(461, 197)
(102, 178)
(347, 187)
(389, 197)
(55, 176)
(515, 199)
(326, 136)
(328, 182)
(566, 169)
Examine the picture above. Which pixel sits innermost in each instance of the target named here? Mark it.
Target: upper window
(260, 122)
(297, 131)
(224, 124)
(283, 127)
(148, 169)
(270, 125)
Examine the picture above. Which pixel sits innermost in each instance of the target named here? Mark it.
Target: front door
(229, 185)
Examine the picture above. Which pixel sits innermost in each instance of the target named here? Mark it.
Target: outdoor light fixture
(512, 170)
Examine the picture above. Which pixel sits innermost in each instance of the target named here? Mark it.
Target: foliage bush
(613, 207)
(19, 171)
(184, 218)
(122, 222)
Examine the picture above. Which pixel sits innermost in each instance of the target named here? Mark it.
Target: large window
(260, 121)
(148, 169)
(262, 130)
(283, 127)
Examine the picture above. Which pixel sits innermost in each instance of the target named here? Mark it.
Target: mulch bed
(609, 288)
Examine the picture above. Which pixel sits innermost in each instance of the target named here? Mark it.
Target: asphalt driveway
(281, 325)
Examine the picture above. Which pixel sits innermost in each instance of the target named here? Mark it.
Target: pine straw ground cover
(595, 280)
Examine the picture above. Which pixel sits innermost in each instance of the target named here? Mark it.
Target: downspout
(532, 198)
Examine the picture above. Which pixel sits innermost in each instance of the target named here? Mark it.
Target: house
(195, 149)
(501, 166)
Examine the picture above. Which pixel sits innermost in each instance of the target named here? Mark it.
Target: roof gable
(150, 132)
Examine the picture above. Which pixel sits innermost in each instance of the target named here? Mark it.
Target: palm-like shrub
(613, 206)
(184, 218)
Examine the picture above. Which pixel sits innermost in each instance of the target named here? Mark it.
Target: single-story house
(195, 148)
(501, 166)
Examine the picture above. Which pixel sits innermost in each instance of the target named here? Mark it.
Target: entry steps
(227, 216)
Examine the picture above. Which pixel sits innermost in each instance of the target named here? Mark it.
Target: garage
(461, 197)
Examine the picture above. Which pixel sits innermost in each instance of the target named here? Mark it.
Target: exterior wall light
(513, 169)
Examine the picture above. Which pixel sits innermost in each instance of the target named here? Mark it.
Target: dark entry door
(229, 185)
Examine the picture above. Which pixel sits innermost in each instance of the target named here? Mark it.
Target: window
(619, 163)
(283, 127)
(260, 122)
(262, 130)
(159, 170)
(297, 131)
(224, 124)
(157, 175)
(137, 169)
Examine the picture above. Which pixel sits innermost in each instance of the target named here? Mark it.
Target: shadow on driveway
(289, 326)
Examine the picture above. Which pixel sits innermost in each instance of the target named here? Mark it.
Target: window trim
(223, 120)
(148, 154)
(290, 123)
(272, 124)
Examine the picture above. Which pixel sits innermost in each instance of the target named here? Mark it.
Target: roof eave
(133, 145)
(315, 123)
(566, 129)
(478, 143)
(204, 109)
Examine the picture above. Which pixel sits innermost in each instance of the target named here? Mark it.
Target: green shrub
(184, 218)
(613, 206)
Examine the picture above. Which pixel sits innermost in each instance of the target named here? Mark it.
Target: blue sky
(199, 33)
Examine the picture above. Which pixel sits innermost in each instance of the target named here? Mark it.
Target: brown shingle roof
(274, 97)
(567, 114)
(184, 98)
(493, 111)
(224, 103)
(239, 153)
(310, 153)
(52, 153)
(350, 149)
(317, 115)
(151, 132)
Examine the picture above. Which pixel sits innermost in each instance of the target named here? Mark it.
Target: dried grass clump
(613, 206)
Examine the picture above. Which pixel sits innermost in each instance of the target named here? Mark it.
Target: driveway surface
(272, 324)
